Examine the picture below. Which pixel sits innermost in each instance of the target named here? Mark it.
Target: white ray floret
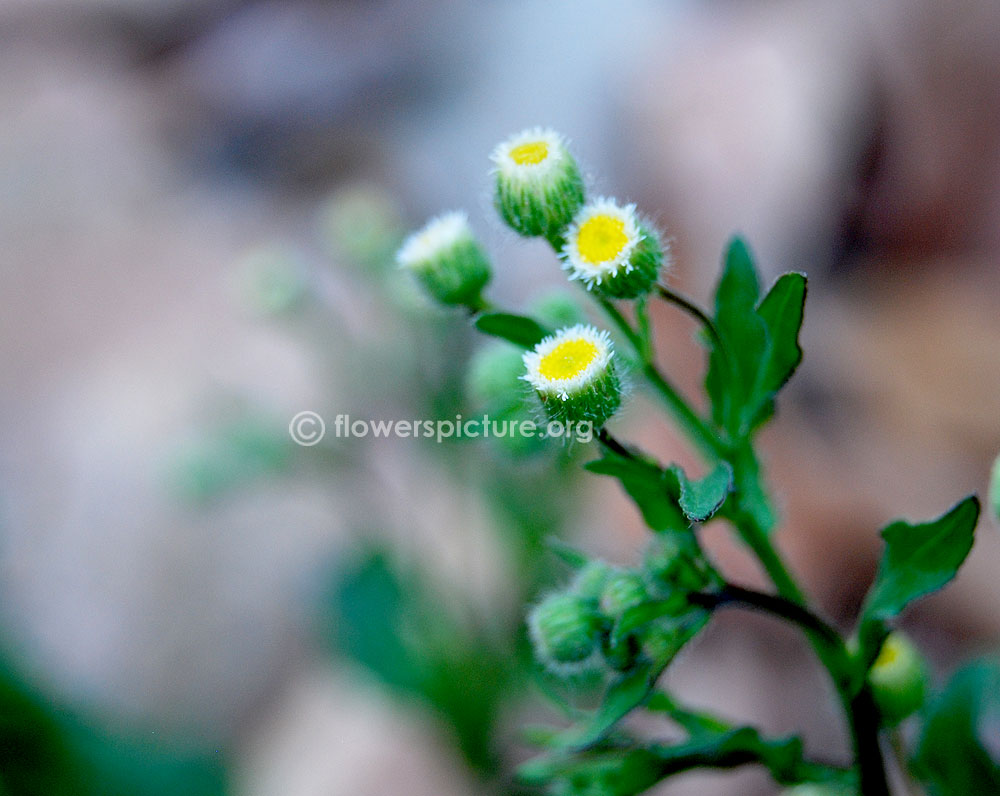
(438, 236)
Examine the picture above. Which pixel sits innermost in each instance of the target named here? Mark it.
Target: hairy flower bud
(447, 260)
(494, 378)
(538, 186)
(622, 590)
(898, 679)
(612, 251)
(565, 631)
(590, 579)
(671, 565)
(574, 375)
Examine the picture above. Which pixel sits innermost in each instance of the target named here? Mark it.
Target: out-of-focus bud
(557, 308)
(273, 280)
(573, 373)
(448, 261)
(538, 187)
(612, 251)
(565, 632)
(898, 679)
(622, 590)
(672, 566)
(494, 378)
(590, 579)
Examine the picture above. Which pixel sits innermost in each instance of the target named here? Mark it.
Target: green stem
(696, 429)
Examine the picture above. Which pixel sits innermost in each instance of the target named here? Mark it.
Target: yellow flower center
(568, 359)
(601, 238)
(530, 154)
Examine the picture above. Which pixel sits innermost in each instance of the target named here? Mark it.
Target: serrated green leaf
(517, 329)
(700, 499)
(654, 490)
(951, 757)
(920, 558)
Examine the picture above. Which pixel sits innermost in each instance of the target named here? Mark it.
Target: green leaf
(617, 771)
(517, 329)
(623, 695)
(638, 616)
(733, 365)
(700, 499)
(654, 490)
(566, 553)
(920, 558)
(951, 757)
(758, 348)
(782, 311)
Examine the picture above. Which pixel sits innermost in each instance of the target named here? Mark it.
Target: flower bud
(995, 490)
(590, 579)
(565, 631)
(622, 590)
(494, 378)
(557, 308)
(612, 251)
(447, 260)
(898, 679)
(672, 566)
(538, 186)
(574, 375)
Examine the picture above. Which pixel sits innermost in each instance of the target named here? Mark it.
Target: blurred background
(199, 205)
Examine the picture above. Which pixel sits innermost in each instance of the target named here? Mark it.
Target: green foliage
(655, 491)
(952, 758)
(619, 768)
(699, 500)
(637, 620)
(388, 621)
(517, 329)
(918, 559)
(45, 751)
(757, 349)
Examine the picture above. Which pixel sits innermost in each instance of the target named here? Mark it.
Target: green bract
(538, 187)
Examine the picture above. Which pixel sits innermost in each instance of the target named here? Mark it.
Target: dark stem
(612, 444)
(693, 310)
(862, 713)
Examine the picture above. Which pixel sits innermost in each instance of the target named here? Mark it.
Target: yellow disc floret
(601, 238)
(568, 359)
(573, 373)
(530, 153)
